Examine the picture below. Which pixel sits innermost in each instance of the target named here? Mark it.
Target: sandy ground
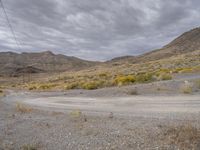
(109, 118)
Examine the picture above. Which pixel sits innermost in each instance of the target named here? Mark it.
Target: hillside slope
(187, 42)
(14, 63)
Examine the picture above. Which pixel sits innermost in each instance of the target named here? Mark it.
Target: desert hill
(185, 43)
(14, 63)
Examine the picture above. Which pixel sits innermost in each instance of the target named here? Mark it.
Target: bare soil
(111, 118)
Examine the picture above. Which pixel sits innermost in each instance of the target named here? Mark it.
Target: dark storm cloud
(96, 29)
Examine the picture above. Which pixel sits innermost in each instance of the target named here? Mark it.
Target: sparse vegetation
(183, 137)
(22, 108)
(28, 147)
(165, 76)
(120, 75)
(144, 77)
(186, 89)
(41, 86)
(198, 83)
(70, 86)
(124, 80)
(90, 85)
(76, 113)
(2, 93)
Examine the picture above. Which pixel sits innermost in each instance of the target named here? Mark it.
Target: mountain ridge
(47, 61)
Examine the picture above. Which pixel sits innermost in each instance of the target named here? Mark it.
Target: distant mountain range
(14, 64)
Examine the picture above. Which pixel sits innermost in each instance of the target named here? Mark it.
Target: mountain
(187, 42)
(16, 64)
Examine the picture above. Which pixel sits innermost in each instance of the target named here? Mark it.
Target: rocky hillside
(187, 42)
(14, 64)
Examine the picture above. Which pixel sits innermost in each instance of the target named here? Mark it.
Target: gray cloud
(96, 29)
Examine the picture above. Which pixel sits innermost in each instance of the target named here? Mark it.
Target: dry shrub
(197, 82)
(28, 147)
(70, 86)
(23, 108)
(165, 76)
(2, 93)
(78, 116)
(144, 77)
(90, 85)
(186, 89)
(76, 113)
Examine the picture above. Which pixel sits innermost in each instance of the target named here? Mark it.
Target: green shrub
(124, 80)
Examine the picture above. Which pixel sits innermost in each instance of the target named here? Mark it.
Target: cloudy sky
(96, 29)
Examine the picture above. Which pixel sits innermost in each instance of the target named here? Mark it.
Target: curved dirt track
(114, 100)
(129, 105)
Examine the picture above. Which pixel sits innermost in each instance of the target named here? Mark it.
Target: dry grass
(197, 82)
(22, 108)
(75, 113)
(186, 89)
(2, 93)
(28, 147)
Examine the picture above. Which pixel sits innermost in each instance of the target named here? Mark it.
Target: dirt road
(129, 105)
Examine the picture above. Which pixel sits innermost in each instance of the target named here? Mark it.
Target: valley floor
(145, 117)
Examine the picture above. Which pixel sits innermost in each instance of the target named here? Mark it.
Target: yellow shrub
(32, 87)
(71, 86)
(124, 80)
(144, 77)
(46, 86)
(103, 75)
(90, 85)
(186, 70)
